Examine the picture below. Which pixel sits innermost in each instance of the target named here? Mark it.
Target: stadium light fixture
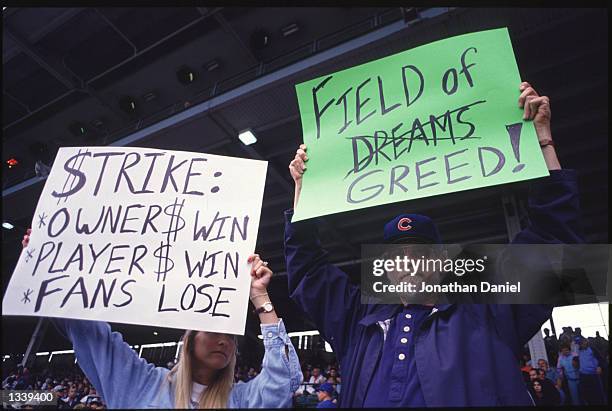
(77, 129)
(211, 65)
(259, 40)
(127, 104)
(290, 29)
(247, 137)
(185, 75)
(150, 96)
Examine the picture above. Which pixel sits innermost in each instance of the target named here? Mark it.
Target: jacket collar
(381, 312)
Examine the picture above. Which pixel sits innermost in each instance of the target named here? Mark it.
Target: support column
(35, 341)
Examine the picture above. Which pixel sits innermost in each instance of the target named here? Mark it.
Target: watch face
(268, 307)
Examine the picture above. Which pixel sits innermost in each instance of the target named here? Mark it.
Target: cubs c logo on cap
(404, 224)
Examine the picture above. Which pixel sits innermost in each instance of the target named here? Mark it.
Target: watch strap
(262, 309)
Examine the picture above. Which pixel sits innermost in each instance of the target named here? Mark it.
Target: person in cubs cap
(423, 355)
(325, 395)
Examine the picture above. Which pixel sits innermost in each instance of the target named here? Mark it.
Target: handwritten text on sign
(439, 118)
(142, 236)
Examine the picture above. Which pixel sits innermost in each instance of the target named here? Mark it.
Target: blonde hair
(216, 394)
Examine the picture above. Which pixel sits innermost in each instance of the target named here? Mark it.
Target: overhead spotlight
(78, 129)
(259, 40)
(411, 14)
(7, 225)
(211, 65)
(247, 137)
(128, 104)
(185, 75)
(290, 29)
(12, 162)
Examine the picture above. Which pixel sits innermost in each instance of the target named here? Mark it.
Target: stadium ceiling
(76, 66)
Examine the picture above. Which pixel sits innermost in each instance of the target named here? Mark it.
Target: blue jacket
(466, 354)
(126, 381)
(590, 359)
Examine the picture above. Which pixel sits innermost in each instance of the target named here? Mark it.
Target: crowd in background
(576, 373)
(70, 389)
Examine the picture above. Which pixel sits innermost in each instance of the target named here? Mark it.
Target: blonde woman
(204, 374)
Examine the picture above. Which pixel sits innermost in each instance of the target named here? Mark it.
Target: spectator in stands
(71, 399)
(251, 374)
(302, 388)
(59, 392)
(590, 368)
(568, 373)
(540, 396)
(80, 388)
(600, 344)
(204, 374)
(441, 367)
(552, 345)
(548, 388)
(526, 364)
(47, 384)
(554, 384)
(238, 375)
(96, 403)
(24, 382)
(566, 335)
(9, 382)
(550, 373)
(315, 379)
(91, 394)
(333, 373)
(334, 379)
(325, 396)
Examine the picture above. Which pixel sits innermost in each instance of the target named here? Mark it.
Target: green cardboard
(436, 119)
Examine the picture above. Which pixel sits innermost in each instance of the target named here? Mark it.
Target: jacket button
(404, 340)
(270, 334)
(406, 329)
(401, 357)
(408, 316)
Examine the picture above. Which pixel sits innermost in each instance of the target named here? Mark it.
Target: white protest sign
(142, 236)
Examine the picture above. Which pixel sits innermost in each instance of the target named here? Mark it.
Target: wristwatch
(267, 307)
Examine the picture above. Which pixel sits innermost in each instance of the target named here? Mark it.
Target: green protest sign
(436, 119)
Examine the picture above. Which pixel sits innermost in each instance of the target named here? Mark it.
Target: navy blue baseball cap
(326, 387)
(412, 228)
